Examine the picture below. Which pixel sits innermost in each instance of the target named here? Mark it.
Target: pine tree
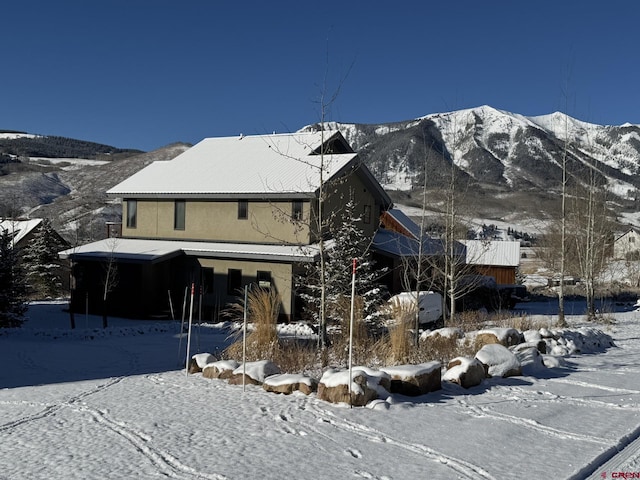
(13, 289)
(348, 242)
(41, 262)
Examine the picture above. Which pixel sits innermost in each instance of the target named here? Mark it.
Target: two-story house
(227, 212)
(626, 244)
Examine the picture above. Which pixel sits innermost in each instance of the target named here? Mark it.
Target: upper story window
(366, 214)
(132, 213)
(243, 209)
(296, 210)
(179, 210)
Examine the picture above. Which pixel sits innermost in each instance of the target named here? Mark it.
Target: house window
(179, 209)
(264, 279)
(366, 214)
(632, 240)
(243, 209)
(296, 210)
(132, 213)
(206, 279)
(234, 281)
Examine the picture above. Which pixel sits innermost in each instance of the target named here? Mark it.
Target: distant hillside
(66, 179)
(20, 144)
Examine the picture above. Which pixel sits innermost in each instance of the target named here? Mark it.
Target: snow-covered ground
(116, 403)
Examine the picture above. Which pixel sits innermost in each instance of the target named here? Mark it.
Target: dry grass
(396, 347)
(263, 307)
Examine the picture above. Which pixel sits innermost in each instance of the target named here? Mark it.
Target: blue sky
(143, 74)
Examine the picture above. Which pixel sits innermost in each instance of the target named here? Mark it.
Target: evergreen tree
(13, 289)
(41, 263)
(348, 242)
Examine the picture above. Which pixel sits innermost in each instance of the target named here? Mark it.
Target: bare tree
(590, 232)
(563, 229)
(110, 277)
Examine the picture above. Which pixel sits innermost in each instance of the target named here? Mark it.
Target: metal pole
(184, 307)
(189, 334)
(244, 339)
(353, 295)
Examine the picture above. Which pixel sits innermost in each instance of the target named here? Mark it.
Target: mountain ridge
(510, 163)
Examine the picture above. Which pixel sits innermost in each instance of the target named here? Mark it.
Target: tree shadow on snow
(38, 356)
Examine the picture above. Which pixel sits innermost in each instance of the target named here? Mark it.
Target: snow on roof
(489, 252)
(244, 165)
(18, 229)
(404, 221)
(139, 250)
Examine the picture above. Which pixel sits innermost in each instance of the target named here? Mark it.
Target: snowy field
(116, 404)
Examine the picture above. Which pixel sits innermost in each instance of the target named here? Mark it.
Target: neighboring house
(37, 244)
(494, 258)
(397, 245)
(20, 231)
(226, 213)
(626, 243)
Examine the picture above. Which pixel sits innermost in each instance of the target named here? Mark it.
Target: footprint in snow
(354, 453)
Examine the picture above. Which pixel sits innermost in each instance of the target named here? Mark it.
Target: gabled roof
(492, 252)
(395, 244)
(140, 250)
(18, 229)
(396, 220)
(258, 166)
(629, 230)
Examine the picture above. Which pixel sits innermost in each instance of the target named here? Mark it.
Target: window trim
(207, 279)
(297, 210)
(243, 209)
(132, 213)
(232, 288)
(264, 278)
(366, 214)
(179, 214)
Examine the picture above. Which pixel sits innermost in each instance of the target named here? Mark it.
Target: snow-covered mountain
(511, 163)
(496, 148)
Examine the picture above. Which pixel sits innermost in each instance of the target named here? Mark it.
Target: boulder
(414, 380)
(466, 372)
(531, 360)
(504, 336)
(366, 385)
(289, 383)
(199, 360)
(253, 372)
(447, 332)
(500, 361)
(222, 369)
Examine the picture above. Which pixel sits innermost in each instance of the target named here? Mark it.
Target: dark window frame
(297, 210)
(234, 280)
(179, 214)
(264, 279)
(132, 213)
(366, 214)
(243, 209)
(207, 279)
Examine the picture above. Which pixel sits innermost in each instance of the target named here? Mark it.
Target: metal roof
(141, 250)
(493, 252)
(397, 244)
(258, 165)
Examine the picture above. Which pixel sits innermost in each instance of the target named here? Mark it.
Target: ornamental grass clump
(262, 310)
